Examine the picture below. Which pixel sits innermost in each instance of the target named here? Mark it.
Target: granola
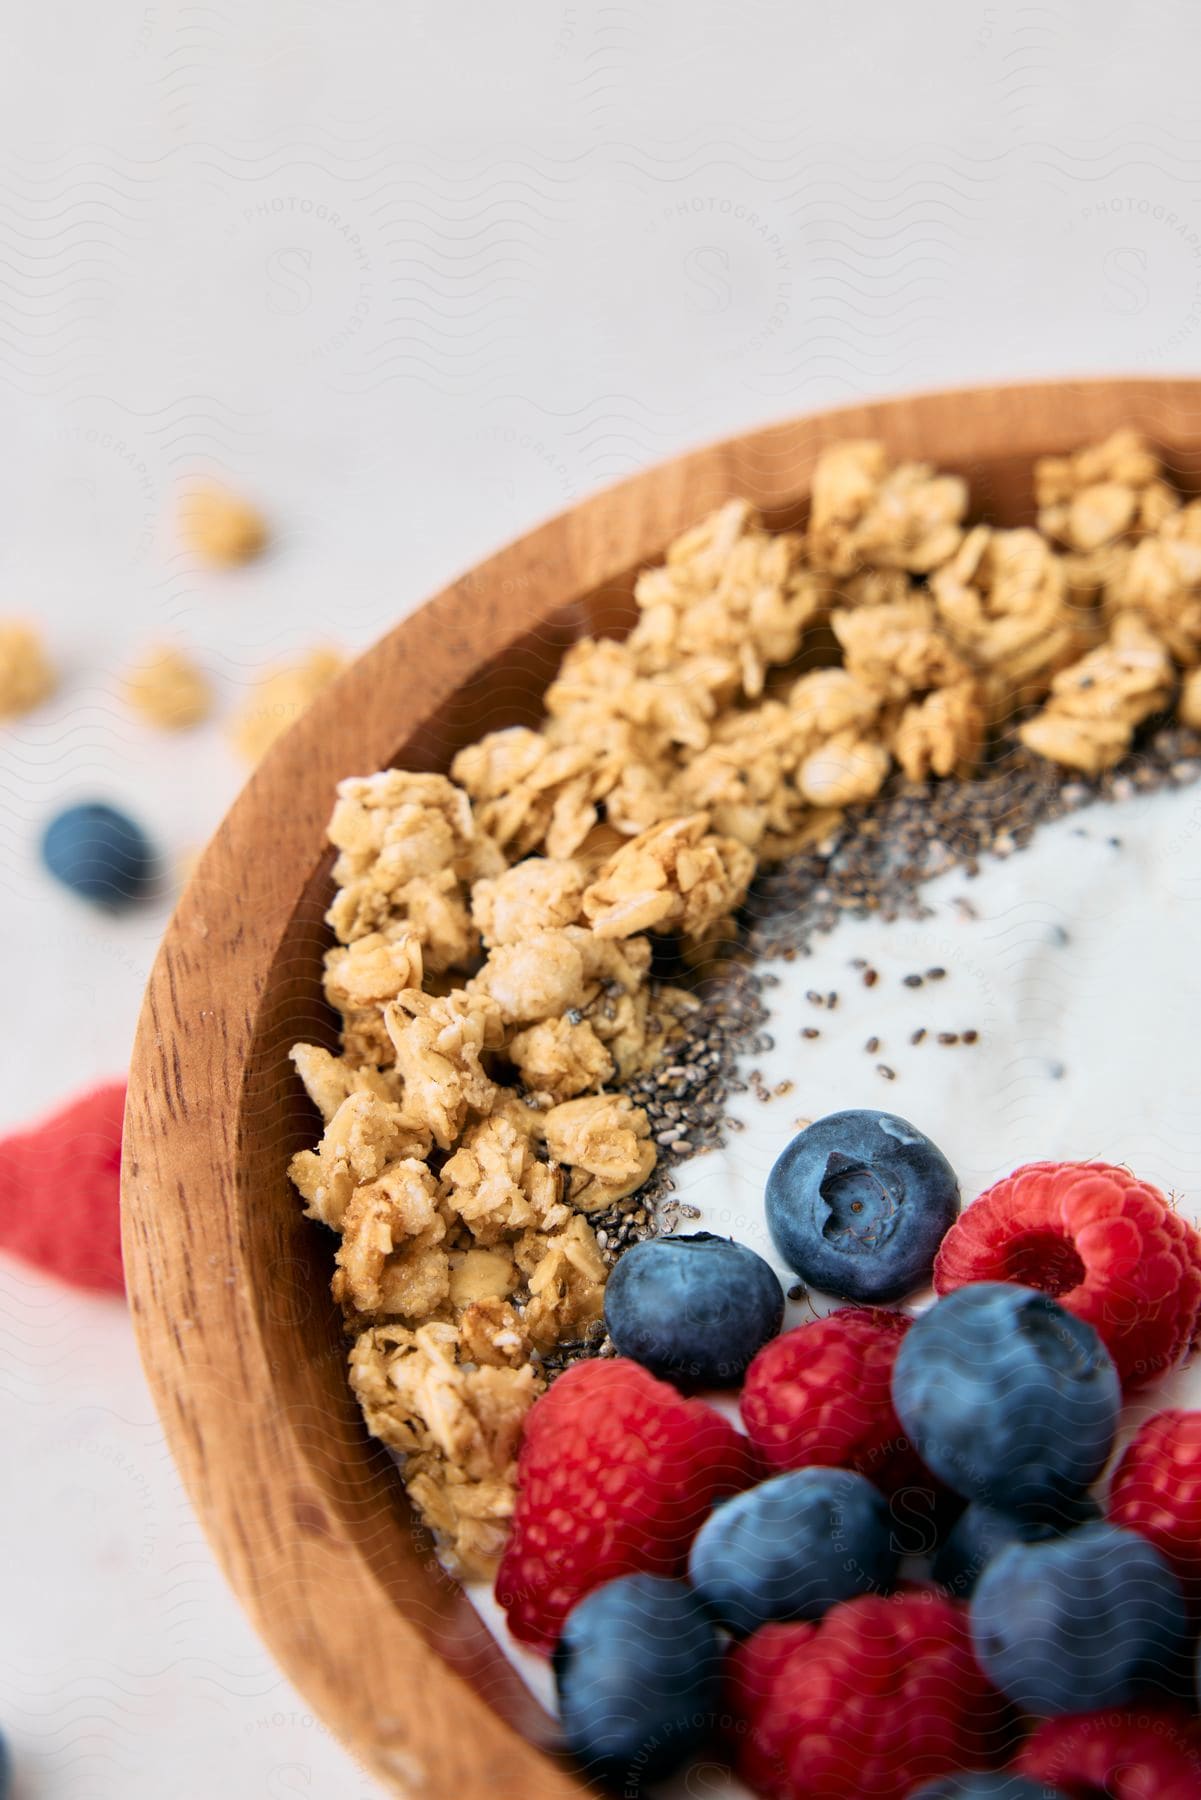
(1097, 503)
(865, 511)
(604, 1140)
(1162, 580)
(677, 875)
(278, 700)
(26, 675)
(498, 1185)
(1003, 600)
(493, 954)
(456, 1422)
(407, 844)
(221, 527)
(540, 894)
(729, 600)
(1099, 494)
(898, 650)
(168, 689)
(1097, 704)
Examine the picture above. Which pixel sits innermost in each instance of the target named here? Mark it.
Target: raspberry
(822, 1394)
(616, 1475)
(60, 1191)
(881, 1695)
(1108, 1247)
(1151, 1754)
(1156, 1490)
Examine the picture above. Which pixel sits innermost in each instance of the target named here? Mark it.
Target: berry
(693, 1309)
(822, 1394)
(1109, 1248)
(1080, 1622)
(638, 1675)
(981, 1532)
(999, 1784)
(792, 1548)
(858, 1204)
(60, 1191)
(1007, 1397)
(1154, 1754)
(1156, 1491)
(615, 1476)
(100, 854)
(881, 1695)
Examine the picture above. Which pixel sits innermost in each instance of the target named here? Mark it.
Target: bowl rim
(247, 1468)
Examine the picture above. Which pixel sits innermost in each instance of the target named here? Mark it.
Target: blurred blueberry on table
(693, 1310)
(638, 1674)
(858, 1204)
(792, 1548)
(982, 1532)
(1007, 1397)
(100, 854)
(1079, 1623)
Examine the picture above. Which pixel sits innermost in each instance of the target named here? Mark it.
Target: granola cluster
(221, 527)
(26, 674)
(1134, 555)
(493, 928)
(279, 698)
(168, 689)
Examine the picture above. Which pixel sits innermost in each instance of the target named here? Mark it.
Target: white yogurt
(1080, 971)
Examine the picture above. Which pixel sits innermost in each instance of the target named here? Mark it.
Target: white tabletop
(415, 276)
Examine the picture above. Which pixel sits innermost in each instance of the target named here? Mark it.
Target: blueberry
(995, 1784)
(1079, 1623)
(858, 1204)
(638, 1673)
(1007, 1397)
(792, 1548)
(693, 1309)
(99, 854)
(981, 1532)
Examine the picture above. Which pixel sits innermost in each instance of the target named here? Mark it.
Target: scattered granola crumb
(26, 675)
(221, 527)
(168, 689)
(279, 698)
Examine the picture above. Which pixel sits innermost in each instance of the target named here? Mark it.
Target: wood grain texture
(228, 1283)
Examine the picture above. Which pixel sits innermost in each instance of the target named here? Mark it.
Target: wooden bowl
(227, 1282)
